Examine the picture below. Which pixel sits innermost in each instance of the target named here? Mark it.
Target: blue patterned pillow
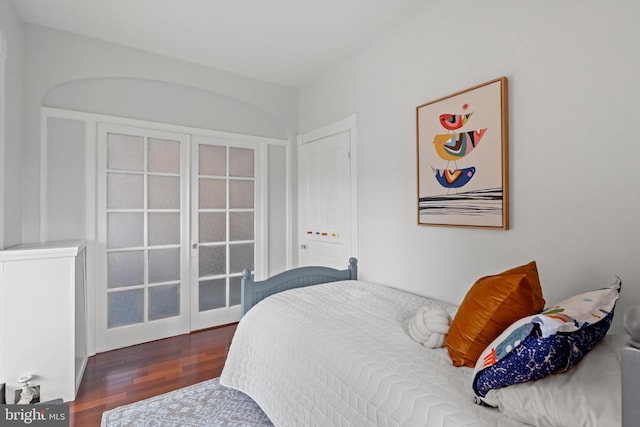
(546, 343)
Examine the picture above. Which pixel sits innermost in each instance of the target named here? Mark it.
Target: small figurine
(28, 394)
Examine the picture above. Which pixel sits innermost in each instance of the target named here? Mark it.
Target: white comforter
(339, 354)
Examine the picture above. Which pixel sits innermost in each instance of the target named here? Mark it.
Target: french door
(224, 222)
(176, 226)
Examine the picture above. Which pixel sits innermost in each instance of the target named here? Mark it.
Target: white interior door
(143, 236)
(326, 194)
(225, 223)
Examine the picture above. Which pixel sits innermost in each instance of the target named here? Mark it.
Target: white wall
(10, 170)
(165, 102)
(573, 93)
(66, 176)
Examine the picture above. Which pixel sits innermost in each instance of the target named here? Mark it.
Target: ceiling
(286, 42)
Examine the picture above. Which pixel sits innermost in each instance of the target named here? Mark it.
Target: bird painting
(454, 178)
(457, 145)
(454, 121)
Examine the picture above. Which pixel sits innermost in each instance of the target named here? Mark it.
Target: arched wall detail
(164, 102)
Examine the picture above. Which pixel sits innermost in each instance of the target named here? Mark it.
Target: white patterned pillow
(546, 343)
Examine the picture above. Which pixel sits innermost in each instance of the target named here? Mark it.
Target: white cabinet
(43, 317)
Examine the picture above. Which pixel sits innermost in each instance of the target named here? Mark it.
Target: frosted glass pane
(125, 308)
(212, 227)
(212, 160)
(241, 162)
(240, 257)
(164, 228)
(212, 260)
(164, 265)
(234, 291)
(164, 192)
(164, 301)
(213, 294)
(241, 226)
(125, 191)
(125, 230)
(240, 194)
(164, 156)
(212, 193)
(125, 152)
(125, 269)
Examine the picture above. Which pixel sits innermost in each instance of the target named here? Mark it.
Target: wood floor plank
(127, 375)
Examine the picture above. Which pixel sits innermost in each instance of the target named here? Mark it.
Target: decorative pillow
(430, 326)
(550, 342)
(490, 306)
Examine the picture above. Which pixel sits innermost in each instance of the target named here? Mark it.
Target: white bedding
(339, 354)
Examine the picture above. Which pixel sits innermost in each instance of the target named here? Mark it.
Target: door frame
(348, 124)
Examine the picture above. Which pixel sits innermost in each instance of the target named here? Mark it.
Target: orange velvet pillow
(491, 305)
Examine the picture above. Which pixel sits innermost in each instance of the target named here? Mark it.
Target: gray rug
(204, 404)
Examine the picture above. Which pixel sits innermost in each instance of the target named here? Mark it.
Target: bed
(336, 351)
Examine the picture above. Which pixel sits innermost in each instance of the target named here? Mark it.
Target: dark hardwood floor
(134, 373)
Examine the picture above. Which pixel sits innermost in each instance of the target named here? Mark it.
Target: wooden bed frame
(254, 292)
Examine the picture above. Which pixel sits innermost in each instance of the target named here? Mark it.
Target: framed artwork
(463, 159)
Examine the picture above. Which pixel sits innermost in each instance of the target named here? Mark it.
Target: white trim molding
(125, 121)
(3, 178)
(44, 137)
(290, 226)
(3, 45)
(347, 124)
